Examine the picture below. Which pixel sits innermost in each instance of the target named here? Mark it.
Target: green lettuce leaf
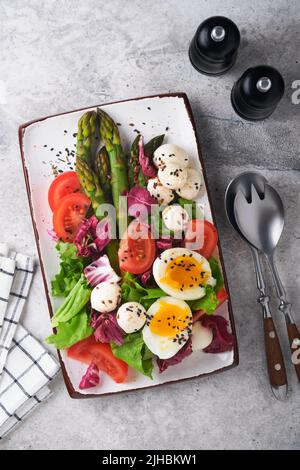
(135, 353)
(132, 291)
(74, 303)
(216, 273)
(208, 303)
(71, 332)
(190, 207)
(71, 268)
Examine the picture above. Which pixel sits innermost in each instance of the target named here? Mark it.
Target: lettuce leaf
(71, 268)
(216, 273)
(208, 303)
(133, 291)
(74, 303)
(189, 206)
(71, 332)
(135, 353)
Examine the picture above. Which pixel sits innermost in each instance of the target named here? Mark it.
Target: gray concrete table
(61, 55)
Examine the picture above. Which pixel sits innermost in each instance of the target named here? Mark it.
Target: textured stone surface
(61, 55)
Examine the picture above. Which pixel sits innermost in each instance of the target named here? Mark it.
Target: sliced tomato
(69, 214)
(64, 184)
(137, 249)
(207, 234)
(222, 296)
(89, 350)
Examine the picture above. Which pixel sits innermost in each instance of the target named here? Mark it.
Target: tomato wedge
(137, 249)
(64, 184)
(69, 214)
(207, 234)
(222, 296)
(89, 350)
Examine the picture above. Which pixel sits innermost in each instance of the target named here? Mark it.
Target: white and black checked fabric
(26, 367)
(7, 272)
(17, 297)
(23, 385)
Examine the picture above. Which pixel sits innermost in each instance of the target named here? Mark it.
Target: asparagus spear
(102, 168)
(85, 135)
(89, 180)
(135, 175)
(110, 136)
(153, 144)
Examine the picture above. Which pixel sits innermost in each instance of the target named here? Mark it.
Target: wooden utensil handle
(294, 337)
(276, 367)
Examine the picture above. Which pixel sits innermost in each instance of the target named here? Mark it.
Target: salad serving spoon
(275, 362)
(260, 219)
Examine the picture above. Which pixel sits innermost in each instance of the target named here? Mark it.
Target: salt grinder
(215, 44)
(257, 92)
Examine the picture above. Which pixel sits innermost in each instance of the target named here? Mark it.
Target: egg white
(201, 337)
(163, 346)
(159, 270)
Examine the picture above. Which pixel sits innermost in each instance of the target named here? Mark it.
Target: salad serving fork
(274, 356)
(260, 219)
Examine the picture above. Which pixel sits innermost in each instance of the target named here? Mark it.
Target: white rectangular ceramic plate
(47, 147)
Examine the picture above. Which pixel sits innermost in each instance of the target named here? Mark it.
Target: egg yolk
(170, 319)
(185, 272)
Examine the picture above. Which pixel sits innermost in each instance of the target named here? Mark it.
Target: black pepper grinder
(214, 47)
(257, 92)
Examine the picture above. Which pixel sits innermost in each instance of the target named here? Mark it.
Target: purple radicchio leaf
(165, 242)
(146, 278)
(185, 351)
(107, 329)
(90, 378)
(145, 161)
(83, 239)
(99, 271)
(92, 237)
(139, 202)
(222, 339)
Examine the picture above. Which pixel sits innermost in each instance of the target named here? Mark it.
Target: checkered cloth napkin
(25, 366)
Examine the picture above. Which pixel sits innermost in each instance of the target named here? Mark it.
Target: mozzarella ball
(162, 194)
(172, 176)
(175, 218)
(131, 317)
(105, 297)
(170, 153)
(201, 336)
(192, 185)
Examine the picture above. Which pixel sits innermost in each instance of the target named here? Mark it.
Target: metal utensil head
(260, 218)
(242, 183)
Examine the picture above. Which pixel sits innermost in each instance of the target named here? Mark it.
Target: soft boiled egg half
(182, 273)
(168, 326)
